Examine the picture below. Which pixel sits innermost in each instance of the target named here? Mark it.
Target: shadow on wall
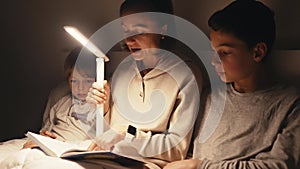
(286, 66)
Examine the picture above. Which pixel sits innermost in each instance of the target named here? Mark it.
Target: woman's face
(80, 85)
(141, 32)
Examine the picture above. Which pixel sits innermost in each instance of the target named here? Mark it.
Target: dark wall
(33, 48)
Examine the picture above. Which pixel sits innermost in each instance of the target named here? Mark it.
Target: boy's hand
(48, 134)
(29, 144)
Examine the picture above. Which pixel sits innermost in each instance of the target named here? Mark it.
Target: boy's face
(80, 85)
(234, 55)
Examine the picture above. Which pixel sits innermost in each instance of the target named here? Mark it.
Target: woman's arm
(173, 143)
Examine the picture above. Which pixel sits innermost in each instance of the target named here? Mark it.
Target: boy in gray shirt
(259, 126)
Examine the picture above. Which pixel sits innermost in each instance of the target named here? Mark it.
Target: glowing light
(85, 42)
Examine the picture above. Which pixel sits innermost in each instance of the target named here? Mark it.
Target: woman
(152, 90)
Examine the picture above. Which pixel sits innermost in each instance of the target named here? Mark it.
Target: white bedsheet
(36, 159)
(11, 146)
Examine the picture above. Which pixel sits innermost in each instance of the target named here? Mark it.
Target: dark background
(34, 46)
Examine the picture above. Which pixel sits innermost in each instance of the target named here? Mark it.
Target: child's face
(80, 85)
(235, 56)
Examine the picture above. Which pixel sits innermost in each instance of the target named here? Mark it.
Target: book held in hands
(79, 151)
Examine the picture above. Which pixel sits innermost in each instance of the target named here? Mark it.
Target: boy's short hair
(249, 20)
(70, 61)
(85, 65)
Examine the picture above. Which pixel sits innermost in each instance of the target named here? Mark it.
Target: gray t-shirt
(255, 130)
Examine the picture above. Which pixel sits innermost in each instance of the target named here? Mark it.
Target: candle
(100, 71)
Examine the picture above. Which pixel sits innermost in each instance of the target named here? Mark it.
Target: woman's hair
(249, 20)
(162, 6)
(85, 64)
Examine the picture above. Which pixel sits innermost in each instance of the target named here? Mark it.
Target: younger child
(70, 118)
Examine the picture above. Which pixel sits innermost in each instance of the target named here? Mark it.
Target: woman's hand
(95, 147)
(107, 140)
(98, 95)
(183, 164)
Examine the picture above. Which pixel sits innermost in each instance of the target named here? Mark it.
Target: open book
(79, 151)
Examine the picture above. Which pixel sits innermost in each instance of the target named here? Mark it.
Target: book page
(78, 152)
(55, 147)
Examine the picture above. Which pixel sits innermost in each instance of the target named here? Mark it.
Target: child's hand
(98, 95)
(48, 134)
(29, 144)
